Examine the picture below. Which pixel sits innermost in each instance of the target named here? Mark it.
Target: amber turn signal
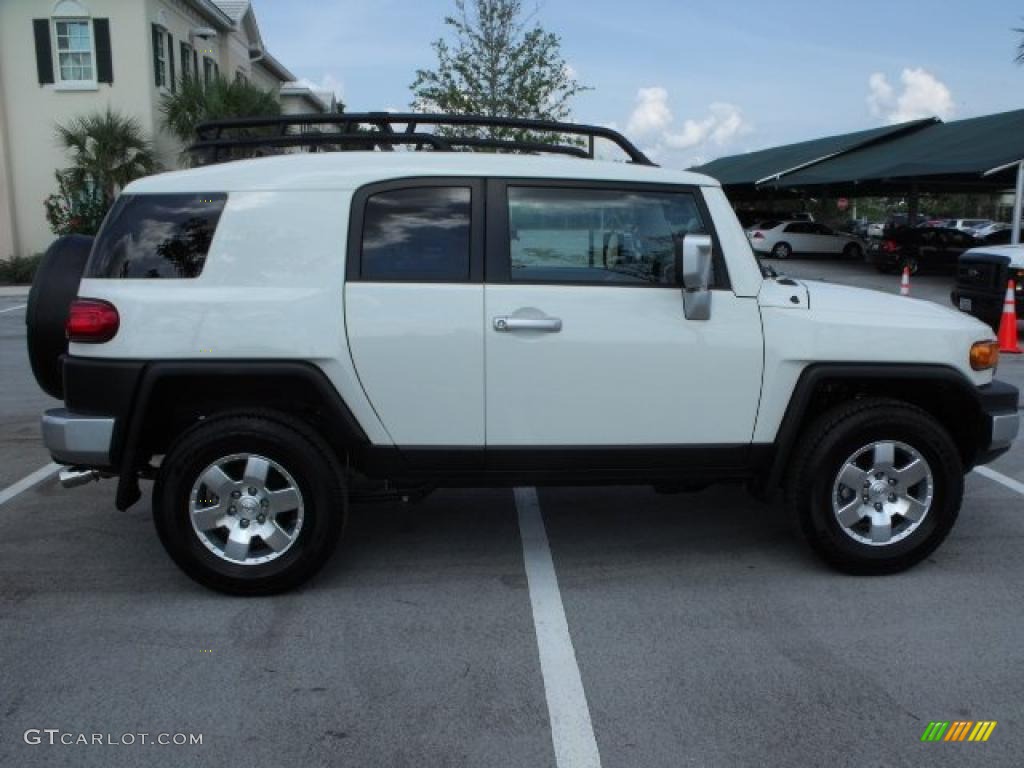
(984, 355)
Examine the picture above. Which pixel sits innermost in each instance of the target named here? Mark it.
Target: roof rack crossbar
(384, 123)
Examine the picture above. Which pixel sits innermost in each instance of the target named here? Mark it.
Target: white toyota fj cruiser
(270, 338)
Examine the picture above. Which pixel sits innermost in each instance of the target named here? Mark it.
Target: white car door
(586, 343)
(413, 304)
(828, 240)
(800, 236)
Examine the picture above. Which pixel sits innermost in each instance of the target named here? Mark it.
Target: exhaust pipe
(72, 477)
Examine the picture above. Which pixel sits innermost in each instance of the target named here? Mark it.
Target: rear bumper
(78, 439)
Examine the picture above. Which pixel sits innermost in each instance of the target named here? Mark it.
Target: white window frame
(59, 83)
(213, 69)
(186, 59)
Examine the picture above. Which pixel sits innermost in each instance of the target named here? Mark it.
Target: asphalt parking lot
(703, 632)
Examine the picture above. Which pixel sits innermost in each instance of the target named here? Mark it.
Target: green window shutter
(170, 60)
(158, 73)
(104, 63)
(44, 50)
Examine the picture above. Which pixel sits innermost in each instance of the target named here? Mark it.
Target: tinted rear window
(147, 236)
(420, 233)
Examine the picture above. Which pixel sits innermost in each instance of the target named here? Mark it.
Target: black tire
(54, 287)
(821, 453)
(782, 251)
(853, 251)
(296, 448)
(910, 262)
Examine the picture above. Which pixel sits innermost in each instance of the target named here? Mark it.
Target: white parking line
(571, 730)
(1002, 479)
(25, 483)
(11, 309)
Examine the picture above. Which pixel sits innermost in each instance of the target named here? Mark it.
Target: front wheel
(853, 252)
(249, 504)
(876, 486)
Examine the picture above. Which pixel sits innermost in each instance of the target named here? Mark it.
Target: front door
(586, 342)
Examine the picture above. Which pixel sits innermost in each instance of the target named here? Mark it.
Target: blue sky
(691, 80)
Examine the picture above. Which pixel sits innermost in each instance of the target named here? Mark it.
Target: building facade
(65, 58)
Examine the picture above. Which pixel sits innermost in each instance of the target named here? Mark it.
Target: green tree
(498, 63)
(195, 102)
(107, 151)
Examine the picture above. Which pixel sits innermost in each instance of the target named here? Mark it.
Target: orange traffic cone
(905, 282)
(1008, 323)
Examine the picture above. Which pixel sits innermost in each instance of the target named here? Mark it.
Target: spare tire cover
(53, 289)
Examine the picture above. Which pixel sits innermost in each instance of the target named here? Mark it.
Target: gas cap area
(783, 293)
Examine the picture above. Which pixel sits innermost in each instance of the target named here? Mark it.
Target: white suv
(271, 338)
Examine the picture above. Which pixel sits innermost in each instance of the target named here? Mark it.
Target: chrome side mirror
(693, 265)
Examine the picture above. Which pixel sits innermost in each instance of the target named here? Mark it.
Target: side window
(417, 234)
(153, 236)
(799, 228)
(570, 235)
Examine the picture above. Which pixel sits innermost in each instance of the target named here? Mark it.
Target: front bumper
(985, 305)
(1001, 423)
(78, 439)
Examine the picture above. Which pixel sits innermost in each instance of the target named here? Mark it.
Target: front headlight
(984, 355)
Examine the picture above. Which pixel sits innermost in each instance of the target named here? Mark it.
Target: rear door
(587, 346)
(413, 308)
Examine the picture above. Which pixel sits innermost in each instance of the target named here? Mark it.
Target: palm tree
(195, 102)
(1020, 46)
(107, 151)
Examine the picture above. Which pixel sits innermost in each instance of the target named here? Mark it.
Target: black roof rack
(216, 139)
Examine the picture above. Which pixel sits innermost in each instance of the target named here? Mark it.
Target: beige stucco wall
(29, 112)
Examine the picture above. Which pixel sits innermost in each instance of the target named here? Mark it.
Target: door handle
(505, 323)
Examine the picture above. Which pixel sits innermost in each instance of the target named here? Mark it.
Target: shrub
(19, 270)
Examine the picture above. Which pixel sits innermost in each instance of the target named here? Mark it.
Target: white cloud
(723, 124)
(328, 83)
(652, 123)
(921, 95)
(651, 114)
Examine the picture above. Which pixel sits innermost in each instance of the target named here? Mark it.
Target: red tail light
(890, 246)
(92, 321)
(758, 236)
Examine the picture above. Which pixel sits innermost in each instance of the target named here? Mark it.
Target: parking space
(704, 633)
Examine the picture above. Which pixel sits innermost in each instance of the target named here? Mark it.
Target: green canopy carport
(745, 173)
(981, 154)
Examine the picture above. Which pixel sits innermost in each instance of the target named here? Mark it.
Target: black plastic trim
(814, 375)
(560, 465)
(339, 425)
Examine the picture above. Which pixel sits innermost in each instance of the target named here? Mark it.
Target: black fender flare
(885, 379)
(293, 380)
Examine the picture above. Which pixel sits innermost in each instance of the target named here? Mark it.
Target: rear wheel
(876, 486)
(249, 504)
(782, 251)
(853, 251)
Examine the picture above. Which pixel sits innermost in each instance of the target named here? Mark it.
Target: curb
(19, 291)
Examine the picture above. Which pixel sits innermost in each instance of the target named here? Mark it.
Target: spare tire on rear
(53, 289)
